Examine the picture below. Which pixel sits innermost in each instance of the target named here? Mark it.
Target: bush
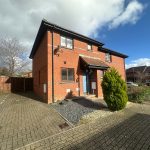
(147, 94)
(114, 90)
(138, 94)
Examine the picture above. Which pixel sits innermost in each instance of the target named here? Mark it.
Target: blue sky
(123, 25)
(130, 39)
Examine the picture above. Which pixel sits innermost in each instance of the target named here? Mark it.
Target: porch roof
(94, 63)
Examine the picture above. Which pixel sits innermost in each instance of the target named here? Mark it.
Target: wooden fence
(5, 84)
(15, 84)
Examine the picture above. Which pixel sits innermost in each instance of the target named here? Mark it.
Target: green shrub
(138, 94)
(147, 94)
(114, 90)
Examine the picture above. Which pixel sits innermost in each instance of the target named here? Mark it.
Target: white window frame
(89, 47)
(63, 44)
(68, 42)
(107, 57)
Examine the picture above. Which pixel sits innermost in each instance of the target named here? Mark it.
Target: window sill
(90, 50)
(67, 82)
(108, 61)
(66, 48)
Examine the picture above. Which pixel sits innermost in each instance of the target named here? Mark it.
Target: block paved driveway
(27, 124)
(24, 120)
(124, 130)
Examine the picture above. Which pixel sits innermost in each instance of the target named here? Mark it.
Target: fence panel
(15, 84)
(5, 84)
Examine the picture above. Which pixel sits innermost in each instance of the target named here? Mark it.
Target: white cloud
(130, 15)
(139, 62)
(21, 18)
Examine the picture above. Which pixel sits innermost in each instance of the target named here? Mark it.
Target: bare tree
(140, 77)
(12, 55)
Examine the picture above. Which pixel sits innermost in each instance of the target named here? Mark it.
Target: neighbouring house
(140, 74)
(66, 63)
(27, 74)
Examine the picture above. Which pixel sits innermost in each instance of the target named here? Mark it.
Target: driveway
(128, 129)
(24, 120)
(26, 124)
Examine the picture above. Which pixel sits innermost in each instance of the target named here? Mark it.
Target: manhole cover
(64, 125)
(61, 103)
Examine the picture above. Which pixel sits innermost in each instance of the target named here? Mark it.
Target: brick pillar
(99, 92)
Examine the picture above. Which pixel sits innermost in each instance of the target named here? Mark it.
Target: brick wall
(42, 62)
(40, 68)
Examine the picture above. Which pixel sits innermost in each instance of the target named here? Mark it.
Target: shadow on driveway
(89, 103)
(131, 134)
(29, 94)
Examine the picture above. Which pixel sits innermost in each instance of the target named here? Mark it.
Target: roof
(94, 63)
(139, 69)
(45, 26)
(106, 50)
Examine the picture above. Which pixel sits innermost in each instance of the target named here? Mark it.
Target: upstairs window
(67, 74)
(69, 43)
(89, 47)
(63, 41)
(107, 57)
(66, 42)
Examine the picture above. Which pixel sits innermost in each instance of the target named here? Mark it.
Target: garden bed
(139, 94)
(73, 110)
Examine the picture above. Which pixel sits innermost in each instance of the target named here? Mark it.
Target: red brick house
(139, 74)
(66, 63)
(27, 74)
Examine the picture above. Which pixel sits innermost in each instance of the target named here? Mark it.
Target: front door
(84, 84)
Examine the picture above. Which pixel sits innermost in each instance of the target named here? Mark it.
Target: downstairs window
(67, 74)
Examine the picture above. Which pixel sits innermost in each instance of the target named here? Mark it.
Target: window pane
(71, 74)
(108, 57)
(63, 41)
(69, 43)
(89, 47)
(64, 74)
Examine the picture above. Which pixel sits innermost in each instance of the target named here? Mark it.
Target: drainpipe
(52, 66)
(125, 71)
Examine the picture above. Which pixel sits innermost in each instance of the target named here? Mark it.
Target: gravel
(73, 110)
